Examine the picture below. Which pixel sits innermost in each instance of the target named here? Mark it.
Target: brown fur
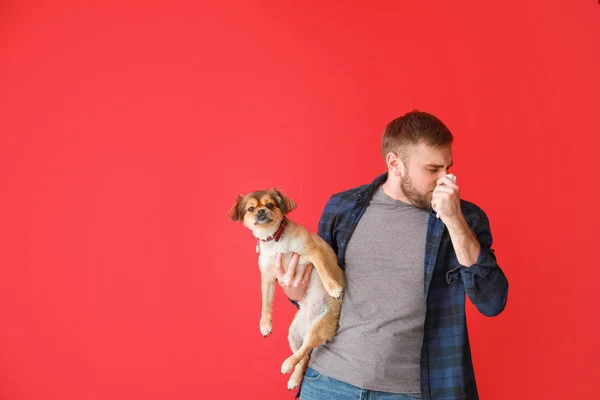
(317, 319)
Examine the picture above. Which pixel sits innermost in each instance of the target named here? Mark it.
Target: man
(402, 331)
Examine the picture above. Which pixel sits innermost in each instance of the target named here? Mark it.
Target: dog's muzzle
(262, 217)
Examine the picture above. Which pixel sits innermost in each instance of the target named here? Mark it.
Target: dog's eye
(251, 209)
(270, 206)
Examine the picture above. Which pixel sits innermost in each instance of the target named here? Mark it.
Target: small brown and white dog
(264, 213)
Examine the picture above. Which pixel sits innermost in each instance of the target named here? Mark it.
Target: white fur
(313, 303)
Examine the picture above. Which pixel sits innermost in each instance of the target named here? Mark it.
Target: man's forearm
(464, 241)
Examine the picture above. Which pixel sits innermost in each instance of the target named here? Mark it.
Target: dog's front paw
(266, 326)
(334, 289)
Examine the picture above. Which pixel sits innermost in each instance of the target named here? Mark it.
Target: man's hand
(294, 285)
(446, 201)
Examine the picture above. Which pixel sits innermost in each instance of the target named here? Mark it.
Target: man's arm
(293, 285)
(485, 282)
(326, 225)
(465, 242)
(325, 231)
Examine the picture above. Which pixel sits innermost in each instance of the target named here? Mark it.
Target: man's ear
(285, 203)
(236, 213)
(395, 164)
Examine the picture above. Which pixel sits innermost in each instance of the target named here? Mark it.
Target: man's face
(425, 167)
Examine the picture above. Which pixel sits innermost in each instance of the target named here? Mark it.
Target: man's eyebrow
(438, 165)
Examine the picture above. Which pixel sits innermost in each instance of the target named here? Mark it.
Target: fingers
(286, 278)
(442, 194)
(444, 180)
(279, 272)
(443, 189)
(291, 271)
(307, 273)
(438, 198)
(294, 285)
(301, 278)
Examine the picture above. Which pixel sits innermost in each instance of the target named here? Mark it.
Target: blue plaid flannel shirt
(446, 364)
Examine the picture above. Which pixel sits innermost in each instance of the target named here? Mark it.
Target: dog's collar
(276, 236)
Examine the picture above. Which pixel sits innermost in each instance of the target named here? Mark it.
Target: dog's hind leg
(298, 374)
(295, 338)
(295, 332)
(320, 331)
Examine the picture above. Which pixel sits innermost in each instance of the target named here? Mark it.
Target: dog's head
(261, 210)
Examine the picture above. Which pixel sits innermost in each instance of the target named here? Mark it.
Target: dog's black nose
(261, 212)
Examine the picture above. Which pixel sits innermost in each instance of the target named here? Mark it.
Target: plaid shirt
(446, 365)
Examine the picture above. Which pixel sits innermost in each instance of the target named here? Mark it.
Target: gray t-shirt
(379, 340)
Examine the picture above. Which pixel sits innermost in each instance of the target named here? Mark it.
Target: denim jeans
(316, 386)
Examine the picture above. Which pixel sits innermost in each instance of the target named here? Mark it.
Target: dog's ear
(285, 203)
(237, 212)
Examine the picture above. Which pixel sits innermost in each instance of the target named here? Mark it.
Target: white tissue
(451, 176)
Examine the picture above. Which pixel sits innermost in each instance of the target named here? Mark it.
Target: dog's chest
(269, 250)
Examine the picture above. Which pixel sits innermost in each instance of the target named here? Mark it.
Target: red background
(127, 130)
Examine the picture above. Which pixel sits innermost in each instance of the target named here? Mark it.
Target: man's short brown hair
(413, 128)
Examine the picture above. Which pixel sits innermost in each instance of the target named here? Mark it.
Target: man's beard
(416, 199)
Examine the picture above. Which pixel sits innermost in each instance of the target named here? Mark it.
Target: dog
(264, 212)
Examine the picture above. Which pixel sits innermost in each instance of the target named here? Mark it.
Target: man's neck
(392, 189)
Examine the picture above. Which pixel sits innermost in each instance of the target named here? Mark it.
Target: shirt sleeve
(327, 223)
(485, 282)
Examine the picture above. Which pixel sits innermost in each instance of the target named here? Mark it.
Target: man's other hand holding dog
(294, 285)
